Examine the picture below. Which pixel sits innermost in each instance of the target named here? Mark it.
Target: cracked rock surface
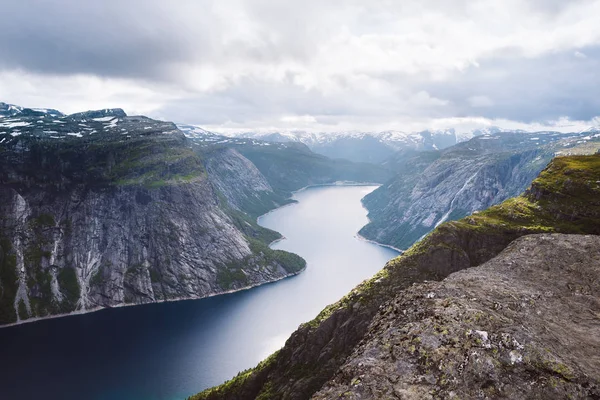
(525, 324)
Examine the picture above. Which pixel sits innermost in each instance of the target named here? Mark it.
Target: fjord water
(172, 350)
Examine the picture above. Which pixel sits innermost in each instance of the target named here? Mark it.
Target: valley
(102, 210)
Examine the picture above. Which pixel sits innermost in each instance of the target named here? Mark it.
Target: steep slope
(433, 187)
(565, 198)
(507, 329)
(231, 173)
(99, 209)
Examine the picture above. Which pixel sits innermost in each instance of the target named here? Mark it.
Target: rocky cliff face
(324, 353)
(231, 174)
(434, 187)
(98, 209)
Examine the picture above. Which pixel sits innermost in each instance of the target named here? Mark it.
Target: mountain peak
(9, 110)
(107, 112)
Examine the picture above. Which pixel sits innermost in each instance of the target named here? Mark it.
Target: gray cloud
(106, 38)
(528, 90)
(340, 61)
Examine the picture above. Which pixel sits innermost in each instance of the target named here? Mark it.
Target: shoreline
(293, 201)
(337, 183)
(364, 239)
(123, 305)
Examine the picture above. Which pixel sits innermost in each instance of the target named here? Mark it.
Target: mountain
(519, 320)
(370, 147)
(436, 186)
(7, 110)
(100, 209)
(290, 166)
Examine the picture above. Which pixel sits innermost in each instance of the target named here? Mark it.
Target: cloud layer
(246, 64)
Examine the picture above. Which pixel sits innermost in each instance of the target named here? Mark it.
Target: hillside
(563, 199)
(437, 186)
(100, 209)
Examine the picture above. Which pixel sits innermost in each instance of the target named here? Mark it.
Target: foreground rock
(526, 324)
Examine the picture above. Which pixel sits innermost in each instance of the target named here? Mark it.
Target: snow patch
(14, 124)
(103, 119)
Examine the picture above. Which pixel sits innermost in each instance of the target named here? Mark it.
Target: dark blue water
(172, 350)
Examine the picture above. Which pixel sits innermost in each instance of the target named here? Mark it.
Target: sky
(315, 65)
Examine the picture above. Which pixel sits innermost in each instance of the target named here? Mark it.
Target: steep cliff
(99, 209)
(231, 173)
(434, 187)
(564, 198)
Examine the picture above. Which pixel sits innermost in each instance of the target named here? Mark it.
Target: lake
(172, 350)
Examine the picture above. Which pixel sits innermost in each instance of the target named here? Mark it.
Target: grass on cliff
(8, 282)
(233, 275)
(564, 198)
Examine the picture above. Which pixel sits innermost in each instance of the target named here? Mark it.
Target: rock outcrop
(523, 325)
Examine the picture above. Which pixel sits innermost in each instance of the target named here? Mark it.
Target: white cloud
(480, 101)
(424, 99)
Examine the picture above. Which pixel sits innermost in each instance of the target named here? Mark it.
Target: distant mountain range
(373, 147)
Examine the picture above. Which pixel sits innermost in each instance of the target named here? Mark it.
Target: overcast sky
(310, 64)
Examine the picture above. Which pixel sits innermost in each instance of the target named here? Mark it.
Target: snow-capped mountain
(360, 146)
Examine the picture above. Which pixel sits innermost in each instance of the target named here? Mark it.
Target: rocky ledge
(526, 324)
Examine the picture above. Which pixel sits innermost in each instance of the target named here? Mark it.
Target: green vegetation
(564, 198)
(98, 277)
(292, 166)
(289, 261)
(8, 282)
(246, 223)
(43, 221)
(235, 384)
(233, 275)
(69, 286)
(101, 161)
(155, 164)
(154, 276)
(39, 278)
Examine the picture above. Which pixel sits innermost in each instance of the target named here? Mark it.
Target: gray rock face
(472, 176)
(240, 182)
(523, 325)
(128, 245)
(98, 209)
